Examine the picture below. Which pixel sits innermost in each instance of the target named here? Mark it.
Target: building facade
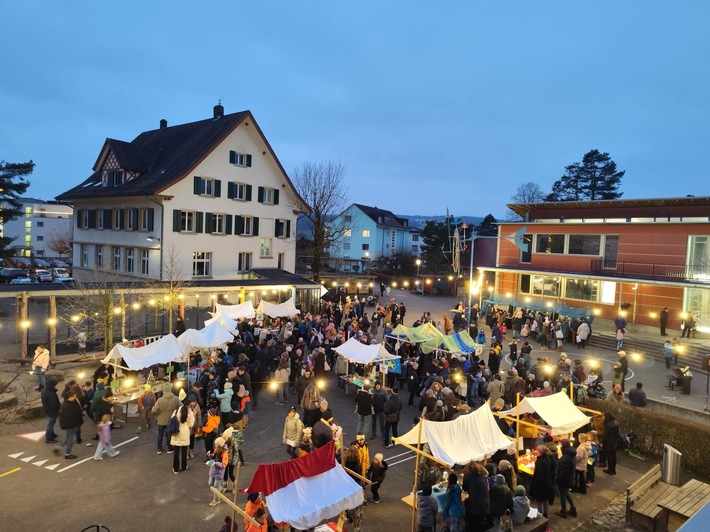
(630, 256)
(197, 201)
(41, 225)
(369, 234)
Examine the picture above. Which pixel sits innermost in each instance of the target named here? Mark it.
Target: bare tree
(99, 306)
(171, 291)
(526, 193)
(60, 239)
(323, 187)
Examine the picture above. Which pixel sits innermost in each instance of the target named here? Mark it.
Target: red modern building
(636, 256)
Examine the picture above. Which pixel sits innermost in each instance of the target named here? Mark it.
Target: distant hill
(418, 221)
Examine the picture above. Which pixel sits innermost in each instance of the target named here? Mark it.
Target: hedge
(652, 430)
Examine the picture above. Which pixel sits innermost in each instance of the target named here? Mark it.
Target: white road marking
(29, 458)
(16, 455)
(91, 457)
(40, 463)
(400, 461)
(52, 467)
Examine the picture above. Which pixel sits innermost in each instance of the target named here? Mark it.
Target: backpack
(235, 402)
(174, 423)
(580, 395)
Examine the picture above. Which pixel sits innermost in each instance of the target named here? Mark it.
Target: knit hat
(182, 394)
(227, 385)
(440, 403)
(147, 387)
(227, 433)
(504, 465)
(564, 443)
(541, 449)
(192, 398)
(100, 386)
(500, 480)
(520, 490)
(500, 402)
(379, 457)
(219, 442)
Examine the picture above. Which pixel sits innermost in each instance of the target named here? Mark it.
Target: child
(260, 517)
(146, 402)
(210, 429)
(427, 508)
(593, 457)
(219, 457)
(254, 504)
(104, 431)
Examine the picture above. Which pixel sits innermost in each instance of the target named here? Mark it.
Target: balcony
(696, 272)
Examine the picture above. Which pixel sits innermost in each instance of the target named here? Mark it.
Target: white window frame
(99, 257)
(244, 261)
(347, 233)
(100, 219)
(240, 191)
(84, 254)
(187, 221)
(218, 220)
(130, 260)
(129, 221)
(143, 219)
(240, 159)
(145, 261)
(116, 219)
(365, 233)
(268, 196)
(85, 219)
(248, 225)
(116, 255)
(266, 248)
(207, 187)
(205, 259)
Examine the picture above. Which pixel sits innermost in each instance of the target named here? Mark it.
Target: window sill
(266, 256)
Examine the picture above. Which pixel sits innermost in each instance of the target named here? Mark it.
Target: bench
(642, 498)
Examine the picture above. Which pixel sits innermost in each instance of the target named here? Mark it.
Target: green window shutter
(255, 226)
(92, 218)
(277, 228)
(238, 225)
(248, 161)
(288, 228)
(77, 213)
(260, 195)
(208, 222)
(217, 188)
(248, 192)
(151, 219)
(228, 224)
(197, 185)
(107, 218)
(134, 219)
(232, 156)
(176, 220)
(199, 228)
(121, 219)
(276, 196)
(230, 190)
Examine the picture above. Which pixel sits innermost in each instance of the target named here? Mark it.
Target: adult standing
(71, 418)
(197, 414)
(564, 478)
(610, 442)
(391, 410)
(180, 440)
(663, 319)
(50, 406)
(583, 332)
(688, 325)
(293, 431)
(363, 400)
(478, 501)
(624, 368)
(163, 410)
(40, 364)
(323, 430)
(376, 474)
(541, 487)
(379, 398)
(310, 403)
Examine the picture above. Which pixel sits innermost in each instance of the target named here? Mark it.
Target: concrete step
(693, 355)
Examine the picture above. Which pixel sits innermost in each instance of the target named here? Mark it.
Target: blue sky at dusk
(428, 105)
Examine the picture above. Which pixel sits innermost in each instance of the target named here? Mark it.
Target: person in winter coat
(610, 442)
(501, 499)
(376, 474)
(71, 418)
(496, 388)
(583, 450)
(379, 398)
(197, 426)
(505, 468)
(363, 401)
(391, 410)
(40, 364)
(219, 457)
(180, 440)
(164, 409)
(293, 432)
(50, 407)
(225, 402)
(310, 403)
(564, 478)
(412, 382)
(209, 430)
(427, 508)
(146, 402)
(542, 485)
(478, 502)
(322, 432)
(302, 382)
(281, 377)
(453, 506)
(521, 506)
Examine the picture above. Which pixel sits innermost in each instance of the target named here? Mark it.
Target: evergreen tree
(487, 227)
(12, 186)
(435, 250)
(595, 178)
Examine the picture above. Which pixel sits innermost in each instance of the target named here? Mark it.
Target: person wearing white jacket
(40, 363)
(180, 440)
(281, 377)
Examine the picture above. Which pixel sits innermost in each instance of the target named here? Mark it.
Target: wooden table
(131, 396)
(684, 502)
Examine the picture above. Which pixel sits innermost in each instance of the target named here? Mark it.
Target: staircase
(695, 352)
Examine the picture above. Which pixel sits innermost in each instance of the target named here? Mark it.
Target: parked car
(8, 274)
(44, 276)
(63, 280)
(21, 262)
(60, 272)
(24, 280)
(41, 263)
(56, 263)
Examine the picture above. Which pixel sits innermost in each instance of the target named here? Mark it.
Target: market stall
(357, 352)
(236, 312)
(286, 309)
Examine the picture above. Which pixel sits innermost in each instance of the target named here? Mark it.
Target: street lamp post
(419, 263)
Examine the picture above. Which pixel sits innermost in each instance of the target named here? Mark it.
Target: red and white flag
(308, 490)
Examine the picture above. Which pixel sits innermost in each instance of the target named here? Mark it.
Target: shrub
(652, 430)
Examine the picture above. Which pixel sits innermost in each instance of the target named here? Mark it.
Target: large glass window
(265, 247)
(524, 284)
(526, 256)
(116, 264)
(584, 289)
(546, 286)
(130, 260)
(611, 250)
(145, 254)
(550, 244)
(99, 257)
(584, 244)
(244, 262)
(699, 258)
(201, 264)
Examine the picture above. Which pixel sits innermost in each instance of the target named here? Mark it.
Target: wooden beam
(235, 507)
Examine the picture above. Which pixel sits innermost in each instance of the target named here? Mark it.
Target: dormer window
(115, 178)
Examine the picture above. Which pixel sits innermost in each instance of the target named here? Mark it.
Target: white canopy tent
(558, 411)
(360, 353)
(469, 437)
(236, 312)
(162, 351)
(226, 322)
(214, 335)
(278, 310)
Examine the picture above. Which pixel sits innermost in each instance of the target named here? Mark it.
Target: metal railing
(697, 271)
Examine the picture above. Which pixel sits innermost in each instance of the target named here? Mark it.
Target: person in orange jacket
(259, 516)
(254, 503)
(209, 430)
